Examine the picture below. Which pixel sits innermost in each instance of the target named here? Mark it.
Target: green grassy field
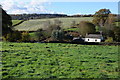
(57, 60)
(117, 24)
(14, 22)
(33, 25)
(72, 29)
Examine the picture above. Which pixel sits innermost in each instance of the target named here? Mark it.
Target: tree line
(41, 16)
(35, 16)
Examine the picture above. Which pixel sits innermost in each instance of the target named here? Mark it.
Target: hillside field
(14, 22)
(57, 60)
(33, 25)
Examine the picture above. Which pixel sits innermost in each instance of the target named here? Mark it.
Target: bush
(25, 37)
(13, 37)
(116, 31)
(57, 35)
(40, 34)
(109, 39)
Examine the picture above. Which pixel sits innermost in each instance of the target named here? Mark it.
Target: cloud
(35, 6)
(28, 6)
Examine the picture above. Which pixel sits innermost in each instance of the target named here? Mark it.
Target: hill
(33, 25)
(15, 22)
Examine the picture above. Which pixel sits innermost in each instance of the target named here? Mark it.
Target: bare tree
(56, 25)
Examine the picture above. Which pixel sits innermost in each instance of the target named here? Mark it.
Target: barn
(93, 38)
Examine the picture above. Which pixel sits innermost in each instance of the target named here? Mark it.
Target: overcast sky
(58, 6)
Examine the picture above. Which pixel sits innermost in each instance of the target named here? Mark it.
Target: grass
(56, 60)
(14, 22)
(72, 29)
(33, 25)
(117, 24)
(32, 34)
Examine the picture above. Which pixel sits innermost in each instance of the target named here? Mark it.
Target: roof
(94, 36)
(75, 34)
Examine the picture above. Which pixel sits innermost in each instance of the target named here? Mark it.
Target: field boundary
(85, 43)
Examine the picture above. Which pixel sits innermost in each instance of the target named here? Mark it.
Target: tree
(117, 33)
(14, 36)
(17, 36)
(6, 23)
(57, 35)
(86, 27)
(54, 26)
(109, 24)
(100, 17)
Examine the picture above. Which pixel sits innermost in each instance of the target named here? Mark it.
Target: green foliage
(35, 60)
(40, 34)
(117, 24)
(25, 37)
(72, 29)
(14, 36)
(14, 22)
(109, 39)
(97, 29)
(86, 27)
(117, 33)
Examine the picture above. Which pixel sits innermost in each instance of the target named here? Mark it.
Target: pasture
(57, 60)
(117, 24)
(14, 22)
(33, 25)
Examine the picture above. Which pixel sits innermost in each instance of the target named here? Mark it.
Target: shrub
(109, 39)
(57, 35)
(13, 37)
(17, 36)
(116, 31)
(40, 34)
(25, 37)
(9, 37)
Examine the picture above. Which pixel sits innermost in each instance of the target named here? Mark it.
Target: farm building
(93, 38)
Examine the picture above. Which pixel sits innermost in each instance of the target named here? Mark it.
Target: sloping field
(33, 25)
(56, 60)
(14, 22)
